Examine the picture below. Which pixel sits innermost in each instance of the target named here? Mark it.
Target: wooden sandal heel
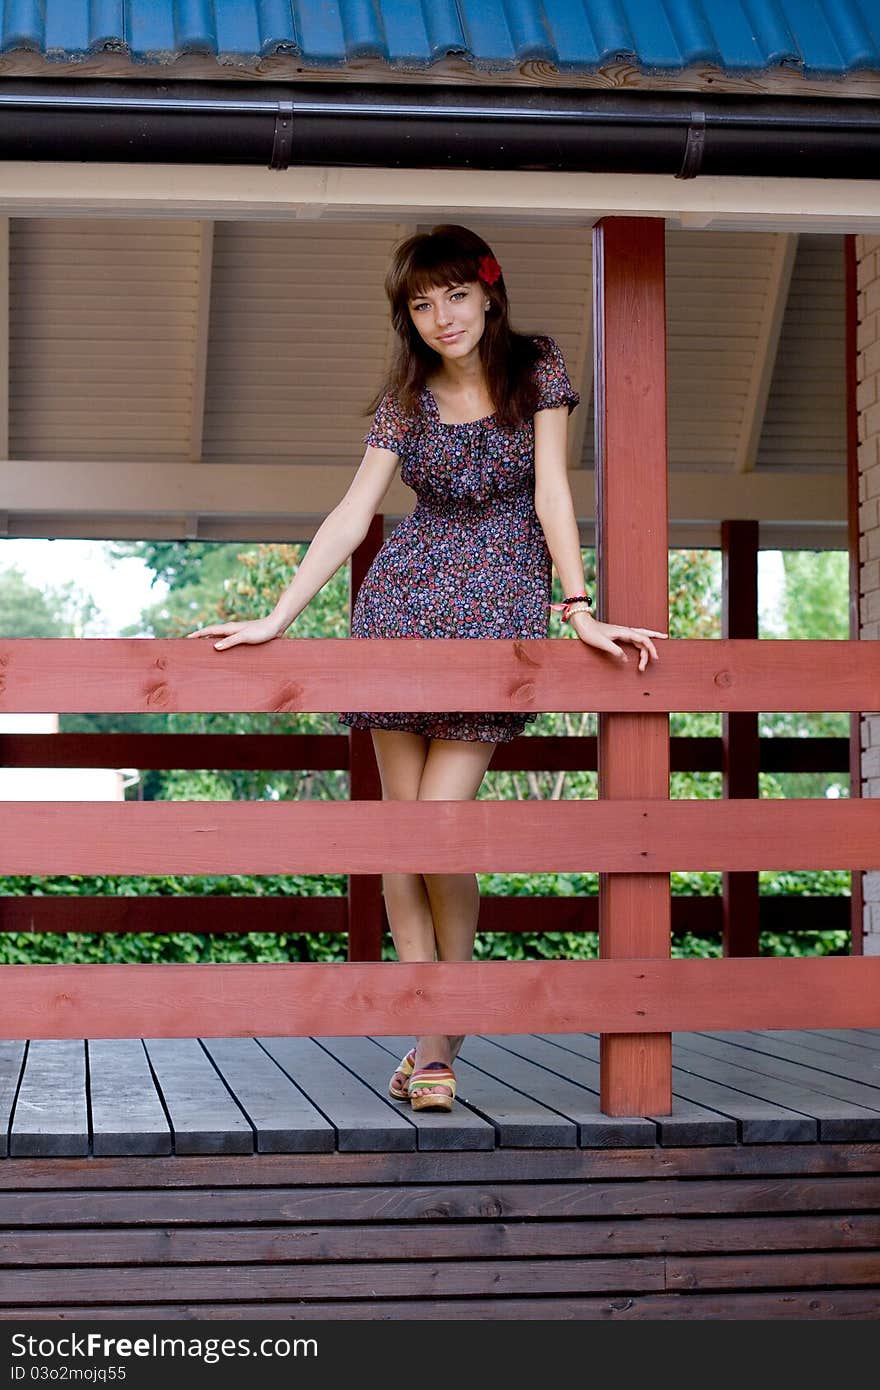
(422, 1097)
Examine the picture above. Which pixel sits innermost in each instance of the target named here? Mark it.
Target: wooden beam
(98, 496)
(851, 290)
(644, 839)
(201, 339)
(741, 749)
(33, 188)
(366, 905)
(773, 313)
(384, 998)
(582, 379)
(547, 753)
(290, 674)
(453, 69)
(629, 329)
(214, 915)
(4, 339)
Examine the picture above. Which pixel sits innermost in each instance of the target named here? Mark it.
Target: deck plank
(442, 1200)
(848, 1067)
(850, 1059)
(450, 1278)
(51, 1117)
(853, 1102)
(759, 1121)
(11, 1060)
(127, 1114)
(488, 1239)
(838, 1304)
(688, 1123)
(229, 1096)
(519, 1121)
(284, 1121)
(862, 1037)
(363, 1122)
(836, 1119)
(461, 1129)
(204, 1117)
(563, 1083)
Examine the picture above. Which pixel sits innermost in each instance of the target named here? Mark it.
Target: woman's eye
(455, 295)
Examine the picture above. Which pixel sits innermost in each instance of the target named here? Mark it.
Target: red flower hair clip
(489, 269)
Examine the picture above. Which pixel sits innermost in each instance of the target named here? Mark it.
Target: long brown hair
(450, 255)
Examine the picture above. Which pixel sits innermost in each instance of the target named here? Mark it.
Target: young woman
(476, 416)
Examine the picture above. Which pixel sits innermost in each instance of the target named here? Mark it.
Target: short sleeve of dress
(390, 426)
(554, 385)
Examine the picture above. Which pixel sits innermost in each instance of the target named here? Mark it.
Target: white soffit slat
(299, 339)
(102, 325)
(805, 420)
(717, 285)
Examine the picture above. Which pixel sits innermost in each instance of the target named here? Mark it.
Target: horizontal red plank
(388, 998)
(214, 916)
(330, 674)
(313, 837)
(545, 752)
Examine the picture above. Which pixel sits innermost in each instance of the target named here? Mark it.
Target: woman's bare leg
(401, 757)
(453, 771)
(432, 916)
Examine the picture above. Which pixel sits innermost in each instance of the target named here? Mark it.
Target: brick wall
(868, 342)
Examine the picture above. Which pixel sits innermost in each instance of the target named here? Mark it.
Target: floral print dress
(470, 560)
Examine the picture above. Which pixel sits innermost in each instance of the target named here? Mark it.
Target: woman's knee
(400, 758)
(454, 769)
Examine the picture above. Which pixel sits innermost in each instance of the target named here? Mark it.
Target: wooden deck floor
(324, 1095)
(272, 1178)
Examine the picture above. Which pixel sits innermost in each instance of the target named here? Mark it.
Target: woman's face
(451, 320)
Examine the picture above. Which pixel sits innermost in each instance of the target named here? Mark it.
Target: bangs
(436, 272)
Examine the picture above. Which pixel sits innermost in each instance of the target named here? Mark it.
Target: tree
(27, 611)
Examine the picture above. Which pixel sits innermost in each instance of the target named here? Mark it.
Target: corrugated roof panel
(821, 38)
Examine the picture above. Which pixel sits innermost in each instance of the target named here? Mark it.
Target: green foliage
(26, 611)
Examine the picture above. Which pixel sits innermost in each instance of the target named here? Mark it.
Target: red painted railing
(632, 837)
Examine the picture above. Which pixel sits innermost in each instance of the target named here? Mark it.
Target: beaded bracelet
(577, 603)
(579, 607)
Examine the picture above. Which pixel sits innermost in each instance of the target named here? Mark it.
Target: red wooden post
(852, 492)
(740, 755)
(366, 905)
(629, 323)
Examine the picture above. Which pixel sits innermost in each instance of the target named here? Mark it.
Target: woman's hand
(602, 635)
(235, 634)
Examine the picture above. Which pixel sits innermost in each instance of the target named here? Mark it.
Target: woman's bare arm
(339, 534)
(553, 500)
(555, 509)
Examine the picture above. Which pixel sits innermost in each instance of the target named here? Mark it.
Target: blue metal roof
(820, 38)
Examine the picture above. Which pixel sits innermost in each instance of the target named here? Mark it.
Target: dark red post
(366, 906)
(629, 315)
(740, 749)
(852, 491)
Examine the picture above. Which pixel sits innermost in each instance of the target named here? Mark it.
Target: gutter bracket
(694, 147)
(282, 143)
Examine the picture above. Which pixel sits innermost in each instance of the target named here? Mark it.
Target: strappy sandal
(404, 1069)
(422, 1097)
